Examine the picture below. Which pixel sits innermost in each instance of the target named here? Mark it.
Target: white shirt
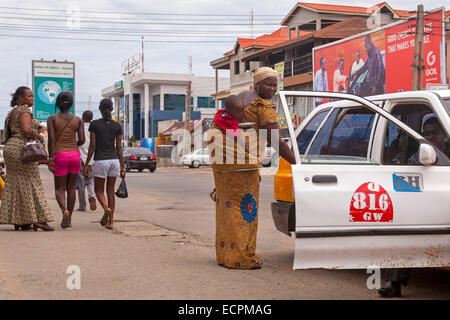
(85, 147)
(356, 66)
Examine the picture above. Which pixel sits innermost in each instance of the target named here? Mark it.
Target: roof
(331, 8)
(263, 41)
(340, 30)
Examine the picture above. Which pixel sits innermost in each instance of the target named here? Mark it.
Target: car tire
(140, 170)
(267, 164)
(127, 168)
(152, 169)
(195, 164)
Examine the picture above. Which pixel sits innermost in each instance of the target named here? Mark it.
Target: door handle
(324, 179)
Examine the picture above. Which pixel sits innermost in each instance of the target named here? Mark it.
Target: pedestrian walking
(64, 155)
(106, 147)
(84, 182)
(23, 201)
(237, 185)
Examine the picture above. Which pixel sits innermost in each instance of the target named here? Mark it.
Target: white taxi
(371, 186)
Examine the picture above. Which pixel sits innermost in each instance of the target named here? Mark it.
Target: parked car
(196, 158)
(270, 158)
(140, 159)
(367, 187)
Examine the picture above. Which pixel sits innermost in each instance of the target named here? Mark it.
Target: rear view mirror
(427, 154)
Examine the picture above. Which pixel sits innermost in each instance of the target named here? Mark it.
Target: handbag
(122, 191)
(33, 151)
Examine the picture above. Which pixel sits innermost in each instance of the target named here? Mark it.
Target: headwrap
(264, 73)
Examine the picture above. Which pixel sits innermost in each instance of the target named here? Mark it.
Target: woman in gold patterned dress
(23, 201)
(237, 184)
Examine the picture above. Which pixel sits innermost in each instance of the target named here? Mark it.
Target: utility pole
(188, 106)
(418, 65)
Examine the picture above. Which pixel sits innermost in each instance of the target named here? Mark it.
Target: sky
(98, 63)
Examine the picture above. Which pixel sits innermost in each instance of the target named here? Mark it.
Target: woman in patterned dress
(237, 185)
(23, 202)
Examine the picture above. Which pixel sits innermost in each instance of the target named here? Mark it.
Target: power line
(119, 40)
(143, 23)
(139, 31)
(150, 19)
(145, 13)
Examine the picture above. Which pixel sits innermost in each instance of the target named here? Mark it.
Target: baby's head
(234, 106)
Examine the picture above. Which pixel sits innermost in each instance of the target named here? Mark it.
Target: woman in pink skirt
(64, 157)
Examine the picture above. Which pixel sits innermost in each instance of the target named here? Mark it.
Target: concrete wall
(244, 77)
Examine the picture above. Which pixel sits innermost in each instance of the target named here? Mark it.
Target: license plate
(143, 158)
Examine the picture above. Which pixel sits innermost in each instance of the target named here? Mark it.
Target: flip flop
(66, 220)
(105, 217)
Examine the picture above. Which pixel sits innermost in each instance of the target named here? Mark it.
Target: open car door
(352, 211)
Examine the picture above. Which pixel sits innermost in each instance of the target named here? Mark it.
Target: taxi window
(304, 139)
(402, 149)
(346, 135)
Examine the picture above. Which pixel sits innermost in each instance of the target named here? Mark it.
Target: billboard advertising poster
(50, 79)
(279, 68)
(380, 61)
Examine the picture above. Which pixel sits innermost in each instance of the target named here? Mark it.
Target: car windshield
(129, 151)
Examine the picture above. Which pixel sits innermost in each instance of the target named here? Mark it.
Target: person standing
(374, 82)
(106, 147)
(356, 65)
(321, 80)
(339, 80)
(83, 181)
(64, 156)
(237, 185)
(23, 201)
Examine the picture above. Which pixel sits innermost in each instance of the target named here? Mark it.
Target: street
(163, 248)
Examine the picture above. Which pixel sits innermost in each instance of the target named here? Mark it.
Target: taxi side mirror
(427, 154)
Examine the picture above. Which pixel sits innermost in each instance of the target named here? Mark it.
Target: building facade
(142, 100)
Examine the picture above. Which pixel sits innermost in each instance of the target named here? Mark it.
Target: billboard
(50, 78)
(380, 61)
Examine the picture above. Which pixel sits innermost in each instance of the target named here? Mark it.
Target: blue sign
(407, 182)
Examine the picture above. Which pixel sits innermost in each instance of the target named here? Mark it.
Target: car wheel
(152, 169)
(140, 170)
(127, 168)
(195, 164)
(267, 164)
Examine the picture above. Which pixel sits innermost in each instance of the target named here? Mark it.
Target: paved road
(163, 249)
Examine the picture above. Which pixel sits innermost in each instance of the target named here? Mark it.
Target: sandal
(66, 219)
(105, 217)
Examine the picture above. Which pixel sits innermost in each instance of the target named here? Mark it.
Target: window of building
(156, 101)
(174, 101)
(206, 102)
(247, 66)
(236, 67)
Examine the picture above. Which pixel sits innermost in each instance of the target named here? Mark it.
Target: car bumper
(142, 164)
(283, 215)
